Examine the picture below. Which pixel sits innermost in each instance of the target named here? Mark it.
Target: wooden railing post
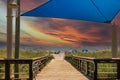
(93, 73)
(79, 64)
(29, 62)
(95, 70)
(118, 70)
(30, 70)
(87, 68)
(7, 70)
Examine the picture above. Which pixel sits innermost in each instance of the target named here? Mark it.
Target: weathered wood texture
(59, 69)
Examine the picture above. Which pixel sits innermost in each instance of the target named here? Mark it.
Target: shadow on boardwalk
(59, 69)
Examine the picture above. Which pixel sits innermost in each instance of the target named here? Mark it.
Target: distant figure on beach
(57, 52)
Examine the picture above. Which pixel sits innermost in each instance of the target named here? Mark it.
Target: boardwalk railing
(97, 69)
(28, 68)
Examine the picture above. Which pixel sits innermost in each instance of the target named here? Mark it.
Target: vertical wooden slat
(80, 65)
(95, 70)
(87, 70)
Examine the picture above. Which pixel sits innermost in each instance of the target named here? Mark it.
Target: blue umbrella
(89, 10)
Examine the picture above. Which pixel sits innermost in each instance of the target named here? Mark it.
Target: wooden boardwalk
(59, 69)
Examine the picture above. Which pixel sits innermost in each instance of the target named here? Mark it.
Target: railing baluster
(7, 70)
(118, 70)
(87, 68)
(95, 70)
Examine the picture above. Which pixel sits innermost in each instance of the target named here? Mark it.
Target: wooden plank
(59, 69)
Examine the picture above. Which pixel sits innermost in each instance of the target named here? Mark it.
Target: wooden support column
(114, 41)
(17, 37)
(17, 31)
(9, 30)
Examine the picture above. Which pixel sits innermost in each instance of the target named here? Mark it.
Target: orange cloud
(67, 32)
(76, 33)
(37, 37)
(70, 34)
(35, 41)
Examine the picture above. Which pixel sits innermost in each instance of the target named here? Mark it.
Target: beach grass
(100, 54)
(24, 54)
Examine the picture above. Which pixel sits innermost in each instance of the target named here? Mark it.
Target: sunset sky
(57, 32)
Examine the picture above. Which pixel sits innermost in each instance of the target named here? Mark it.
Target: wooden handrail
(90, 66)
(30, 62)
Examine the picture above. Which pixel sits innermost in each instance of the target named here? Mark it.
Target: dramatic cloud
(58, 32)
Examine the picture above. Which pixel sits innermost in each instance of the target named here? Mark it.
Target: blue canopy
(89, 10)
